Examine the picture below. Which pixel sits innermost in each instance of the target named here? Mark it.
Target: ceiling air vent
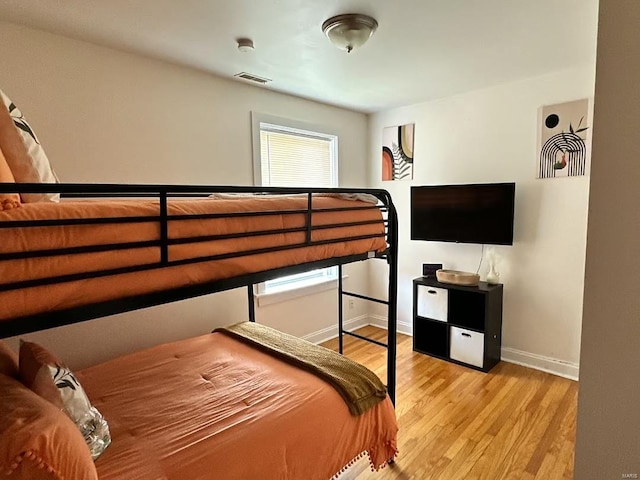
(252, 78)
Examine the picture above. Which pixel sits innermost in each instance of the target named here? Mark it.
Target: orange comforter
(28, 301)
(211, 408)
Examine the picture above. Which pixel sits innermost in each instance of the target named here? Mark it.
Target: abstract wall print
(397, 152)
(562, 146)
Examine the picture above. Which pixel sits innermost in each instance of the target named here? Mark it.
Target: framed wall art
(562, 143)
(397, 152)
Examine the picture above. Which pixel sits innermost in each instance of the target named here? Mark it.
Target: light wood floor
(457, 423)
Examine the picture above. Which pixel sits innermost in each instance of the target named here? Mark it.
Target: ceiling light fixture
(349, 31)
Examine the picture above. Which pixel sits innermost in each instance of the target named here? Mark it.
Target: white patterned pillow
(44, 373)
(77, 406)
(36, 168)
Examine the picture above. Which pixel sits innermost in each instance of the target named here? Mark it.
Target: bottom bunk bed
(205, 408)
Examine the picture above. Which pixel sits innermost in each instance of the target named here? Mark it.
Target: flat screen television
(475, 213)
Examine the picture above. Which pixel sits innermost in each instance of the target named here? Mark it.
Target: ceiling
(423, 49)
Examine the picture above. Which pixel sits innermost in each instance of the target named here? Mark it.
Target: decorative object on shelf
(349, 31)
(493, 277)
(563, 134)
(429, 269)
(397, 152)
(457, 277)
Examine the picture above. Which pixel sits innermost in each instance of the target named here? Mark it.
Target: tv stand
(457, 323)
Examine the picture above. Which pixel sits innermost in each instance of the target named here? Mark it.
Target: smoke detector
(245, 45)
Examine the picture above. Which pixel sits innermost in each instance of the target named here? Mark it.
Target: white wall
(490, 136)
(608, 437)
(108, 116)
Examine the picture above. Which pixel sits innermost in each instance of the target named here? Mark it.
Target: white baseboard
(539, 362)
(380, 321)
(332, 332)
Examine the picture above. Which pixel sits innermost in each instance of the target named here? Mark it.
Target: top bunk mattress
(53, 267)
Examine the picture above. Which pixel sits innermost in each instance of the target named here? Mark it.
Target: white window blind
(291, 157)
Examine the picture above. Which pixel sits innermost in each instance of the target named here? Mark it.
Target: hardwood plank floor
(456, 423)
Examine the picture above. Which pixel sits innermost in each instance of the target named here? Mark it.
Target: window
(292, 154)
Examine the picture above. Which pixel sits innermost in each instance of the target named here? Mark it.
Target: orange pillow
(7, 200)
(8, 361)
(38, 441)
(34, 372)
(47, 376)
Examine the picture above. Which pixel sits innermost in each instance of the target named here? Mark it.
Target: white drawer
(467, 346)
(432, 302)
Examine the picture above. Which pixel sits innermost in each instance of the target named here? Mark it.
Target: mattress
(211, 407)
(183, 226)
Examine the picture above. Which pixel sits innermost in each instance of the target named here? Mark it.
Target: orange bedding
(28, 301)
(211, 407)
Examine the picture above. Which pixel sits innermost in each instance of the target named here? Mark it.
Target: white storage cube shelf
(466, 346)
(458, 323)
(433, 302)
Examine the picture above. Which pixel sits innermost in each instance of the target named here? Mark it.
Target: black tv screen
(478, 213)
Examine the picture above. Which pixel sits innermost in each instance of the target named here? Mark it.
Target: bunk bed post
(251, 303)
(340, 319)
(392, 259)
(164, 229)
(309, 219)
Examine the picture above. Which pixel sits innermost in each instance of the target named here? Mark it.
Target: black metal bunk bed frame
(163, 193)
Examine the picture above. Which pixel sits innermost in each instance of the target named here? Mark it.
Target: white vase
(493, 277)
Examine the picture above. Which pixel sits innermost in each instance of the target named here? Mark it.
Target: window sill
(278, 296)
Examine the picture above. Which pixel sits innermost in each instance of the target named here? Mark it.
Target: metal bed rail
(163, 242)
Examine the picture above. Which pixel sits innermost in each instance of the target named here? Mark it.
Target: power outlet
(351, 304)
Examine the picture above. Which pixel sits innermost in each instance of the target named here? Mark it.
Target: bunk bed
(107, 249)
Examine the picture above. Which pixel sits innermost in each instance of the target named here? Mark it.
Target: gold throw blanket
(360, 388)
